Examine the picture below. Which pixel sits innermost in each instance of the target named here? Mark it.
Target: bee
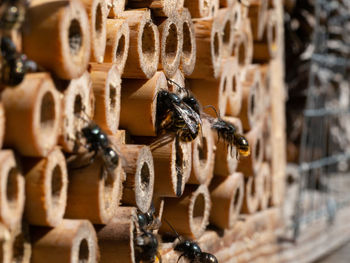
(228, 132)
(12, 14)
(14, 65)
(191, 250)
(146, 243)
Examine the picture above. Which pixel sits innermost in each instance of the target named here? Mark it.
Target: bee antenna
(173, 82)
(172, 228)
(213, 108)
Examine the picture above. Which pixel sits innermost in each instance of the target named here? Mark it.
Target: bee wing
(185, 113)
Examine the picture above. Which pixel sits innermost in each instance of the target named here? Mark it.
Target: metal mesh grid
(324, 167)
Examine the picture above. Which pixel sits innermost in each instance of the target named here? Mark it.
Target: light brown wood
(189, 214)
(94, 191)
(106, 86)
(258, 15)
(57, 37)
(265, 182)
(5, 245)
(77, 108)
(172, 168)
(143, 56)
(226, 17)
(265, 71)
(117, 43)
(267, 130)
(72, 241)
(160, 8)
(226, 194)
(97, 14)
(2, 123)
(158, 203)
(251, 164)
(139, 104)
(20, 244)
(203, 156)
(251, 195)
(234, 94)
(243, 44)
(189, 48)
(34, 107)
(198, 8)
(46, 190)
(171, 42)
(12, 191)
(209, 49)
(116, 238)
(117, 7)
(139, 169)
(225, 157)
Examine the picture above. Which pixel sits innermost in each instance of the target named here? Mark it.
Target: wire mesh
(324, 167)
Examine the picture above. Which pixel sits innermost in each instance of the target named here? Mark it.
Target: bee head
(242, 145)
(193, 103)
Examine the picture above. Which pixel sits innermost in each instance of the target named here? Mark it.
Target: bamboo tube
(226, 194)
(225, 158)
(139, 104)
(116, 238)
(5, 245)
(212, 92)
(251, 164)
(203, 156)
(2, 123)
(234, 94)
(189, 214)
(97, 13)
(71, 241)
(33, 107)
(265, 182)
(117, 43)
(94, 192)
(139, 169)
(267, 130)
(198, 8)
(107, 88)
(226, 18)
(267, 48)
(12, 191)
(46, 190)
(251, 195)
(189, 49)
(77, 105)
(56, 36)
(171, 41)
(158, 203)
(258, 15)
(20, 244)
(160, 8)
(265, 71)
(243, 45)
(251, 97)
(117, 7)
(143, 56)
(209, 48)
(172, 168)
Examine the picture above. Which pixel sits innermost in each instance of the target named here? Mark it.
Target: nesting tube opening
(47, 113)
(83, 251)
(56, 185)
(148, 43)
(74, 37)
(12, 185)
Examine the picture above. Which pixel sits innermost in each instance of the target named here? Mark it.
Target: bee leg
(92, 159)
(180, 257)
(159, 257)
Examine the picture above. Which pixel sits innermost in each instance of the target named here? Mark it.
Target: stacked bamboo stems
(108, 67)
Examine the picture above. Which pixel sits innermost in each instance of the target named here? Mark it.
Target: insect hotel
(160, 130)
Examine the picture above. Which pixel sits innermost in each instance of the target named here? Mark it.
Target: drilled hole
(12, 186)
(216, 44)
(74, 37)
(241, 54)
(187, 42)
(234, 84)
(198, 209)
(47, 115)
(257, 149)
(252, 104)
(236, 197)
(18, 248)
(171, 44)
(235, 18)
(83, 251)
(112, 96)
(224, 85)
(120, 49)
(203, 150)
(148, 40)
(56, 184)
(227, 32)
(98, 19)
(145, 176)
(78, 105)
(290, 179)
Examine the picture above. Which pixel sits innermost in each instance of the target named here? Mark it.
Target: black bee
(14, 65)
(12, 14)
(228, 132)
(191, 250)
(146, 243)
